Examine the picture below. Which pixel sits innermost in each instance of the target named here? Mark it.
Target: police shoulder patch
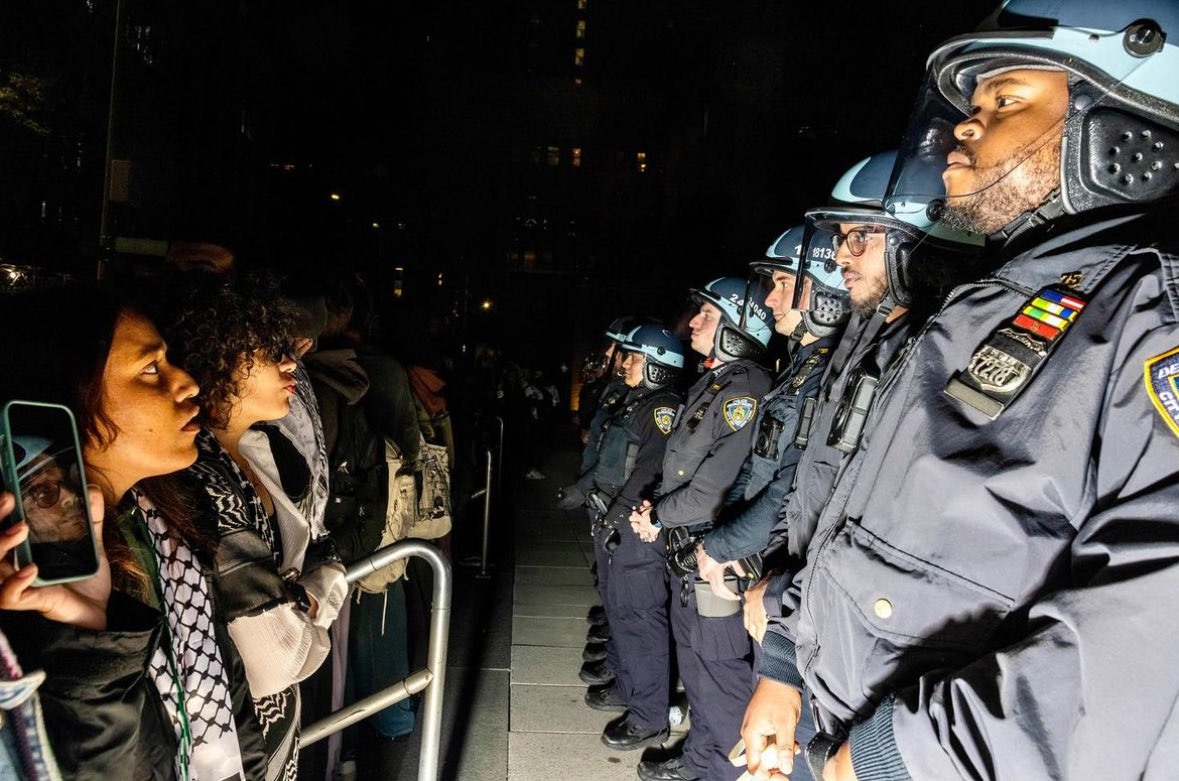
(1162, 383)
(664, 418)
(739, 411)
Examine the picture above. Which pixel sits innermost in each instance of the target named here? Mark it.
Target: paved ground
(513, 707)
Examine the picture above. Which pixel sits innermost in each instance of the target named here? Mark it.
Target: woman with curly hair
(281, 581)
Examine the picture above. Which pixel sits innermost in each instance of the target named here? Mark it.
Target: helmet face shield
(819, 271)
(1123, 99)
(770, 287)
(937, 165)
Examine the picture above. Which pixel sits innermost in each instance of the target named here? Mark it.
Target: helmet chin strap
(799, 331)
(1050, 209)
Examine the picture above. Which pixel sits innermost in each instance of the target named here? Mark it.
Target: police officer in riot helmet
(733, 548)
(705, 451)
(607, 368)
(887, 265)
(628, 469)
(1007, 527)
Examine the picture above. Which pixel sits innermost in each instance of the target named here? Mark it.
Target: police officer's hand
(755, 610)
(713, 571)
(640, 523)
(772, 712)
(839, 767)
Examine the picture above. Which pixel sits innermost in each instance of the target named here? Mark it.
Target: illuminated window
(553, 156)
(577, 81)
(581, 5)
(529, 258)
(581, 28)
(579, 56)
(576, 152)
(641, 159)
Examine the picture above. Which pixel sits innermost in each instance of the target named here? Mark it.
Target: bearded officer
(852, 245)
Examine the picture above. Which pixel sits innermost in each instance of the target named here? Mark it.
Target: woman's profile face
(150, 402)
(265, 390)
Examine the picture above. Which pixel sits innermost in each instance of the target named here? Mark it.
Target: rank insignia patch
(1162, 383)
(1001, 367)
(739, 411)
(664, 418)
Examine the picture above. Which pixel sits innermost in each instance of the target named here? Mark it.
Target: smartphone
(42, 467)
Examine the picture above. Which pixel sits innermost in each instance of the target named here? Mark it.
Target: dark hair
(216, 328)
(54, 346)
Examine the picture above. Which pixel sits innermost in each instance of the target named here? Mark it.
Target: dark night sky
(435, 121)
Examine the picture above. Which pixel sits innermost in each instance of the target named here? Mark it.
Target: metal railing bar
(362, 709)
(486, 519)
(431, 679)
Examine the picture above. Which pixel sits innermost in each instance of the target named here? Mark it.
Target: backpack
(418, 513)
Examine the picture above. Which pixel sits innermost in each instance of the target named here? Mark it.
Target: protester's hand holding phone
(79, 603)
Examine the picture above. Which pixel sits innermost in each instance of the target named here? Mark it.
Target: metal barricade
(485, 494)
(431, 678)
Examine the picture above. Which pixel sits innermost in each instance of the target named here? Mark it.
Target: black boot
(623, 735)
(596, 615)
(599, 633)
(594, 652)
(596, 673)
(605, 697)
(668, 770)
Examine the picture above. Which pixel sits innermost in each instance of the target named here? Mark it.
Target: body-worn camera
(853, 411)
(768, 434)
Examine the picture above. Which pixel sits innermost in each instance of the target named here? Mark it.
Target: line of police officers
(953, 515)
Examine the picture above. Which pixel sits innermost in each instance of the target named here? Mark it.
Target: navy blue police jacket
(709, 443)
(989, 590)
(630, 459)
(768, 473)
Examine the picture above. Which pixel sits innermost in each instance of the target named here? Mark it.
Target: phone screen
(44, 471)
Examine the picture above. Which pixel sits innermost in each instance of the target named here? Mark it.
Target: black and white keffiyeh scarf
(239, 507)
(188, 670)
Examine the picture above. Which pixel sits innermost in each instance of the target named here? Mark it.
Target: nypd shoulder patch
(1162, 384)
(664, 418)
(739, 411)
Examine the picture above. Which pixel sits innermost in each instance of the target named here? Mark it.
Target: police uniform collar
(1079, 250)
(803, 351)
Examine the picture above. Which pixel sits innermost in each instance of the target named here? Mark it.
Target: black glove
(570, 497)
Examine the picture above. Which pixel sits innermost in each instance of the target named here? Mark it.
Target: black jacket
(102, 710)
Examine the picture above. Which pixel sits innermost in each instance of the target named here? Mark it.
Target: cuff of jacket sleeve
(778, 660)
(874, 752)
(717, 547)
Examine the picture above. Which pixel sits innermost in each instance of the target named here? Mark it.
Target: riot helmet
(820, 295)
(858, 198)
(1118, 140)
(744, 328)
(662, 351)
(621, 327)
